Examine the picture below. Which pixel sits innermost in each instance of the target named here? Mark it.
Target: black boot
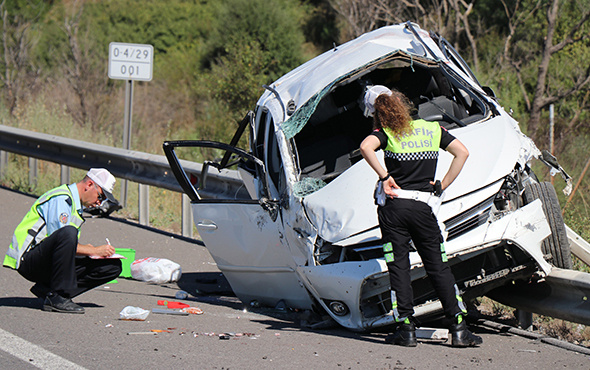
(461, 336)
(57, 303)
(405, 335)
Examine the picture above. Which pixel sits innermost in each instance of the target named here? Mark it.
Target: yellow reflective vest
(33, 229)
(424, 137)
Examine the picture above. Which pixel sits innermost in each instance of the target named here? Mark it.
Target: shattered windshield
(327, 130)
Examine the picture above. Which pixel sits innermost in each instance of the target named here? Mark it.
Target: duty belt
(421, 196)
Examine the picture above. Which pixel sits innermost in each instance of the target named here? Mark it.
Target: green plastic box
(126, 263)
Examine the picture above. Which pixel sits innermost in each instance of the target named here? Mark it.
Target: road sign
(130, 61)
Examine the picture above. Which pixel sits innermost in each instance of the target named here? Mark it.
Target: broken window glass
(307, 185)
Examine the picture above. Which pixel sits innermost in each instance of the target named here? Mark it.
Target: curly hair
(393, 112)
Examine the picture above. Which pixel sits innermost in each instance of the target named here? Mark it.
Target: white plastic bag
(133, 314)
(155, 270)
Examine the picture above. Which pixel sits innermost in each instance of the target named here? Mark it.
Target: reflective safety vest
(424, 137)
(33, 229)
(411, 158)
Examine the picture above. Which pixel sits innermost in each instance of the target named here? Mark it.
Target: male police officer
(45, 247)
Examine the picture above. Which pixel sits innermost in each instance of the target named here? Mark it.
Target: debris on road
(432, 333)
(172, 304)
(181, 294)
(192, 310)
(132, 313)
(141, 332)
(156, 270)
(195, 334)
(168, 311)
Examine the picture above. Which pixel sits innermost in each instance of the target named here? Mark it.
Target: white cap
(104, 179)
(369, 100)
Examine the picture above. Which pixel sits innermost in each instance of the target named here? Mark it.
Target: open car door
(242, 231)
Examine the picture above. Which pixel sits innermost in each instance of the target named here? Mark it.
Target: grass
(164, 205)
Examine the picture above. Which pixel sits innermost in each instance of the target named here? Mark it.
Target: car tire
(557, 244)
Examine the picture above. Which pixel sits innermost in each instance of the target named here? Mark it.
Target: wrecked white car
(303, 229)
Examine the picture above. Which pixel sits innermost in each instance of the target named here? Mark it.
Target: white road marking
(33, 354)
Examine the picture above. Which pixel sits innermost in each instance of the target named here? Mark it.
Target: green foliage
(25, 8)
(52, 40)
(165, 25)
(253, 43)
(237, 77)
(492, 14)
(274, 27)
(320, 24)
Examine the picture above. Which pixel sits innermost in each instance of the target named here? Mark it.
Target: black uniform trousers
(53, 264)
(402, 220)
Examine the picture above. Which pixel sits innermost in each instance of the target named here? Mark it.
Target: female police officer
(411, 154)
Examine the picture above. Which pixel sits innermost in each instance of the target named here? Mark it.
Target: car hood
(495, 147)
(345, 207)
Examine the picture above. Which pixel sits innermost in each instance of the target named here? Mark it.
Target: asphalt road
(262, 339)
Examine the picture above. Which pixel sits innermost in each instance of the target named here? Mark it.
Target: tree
(77, 65)
(449, 18)
(17, 67)
(254, 43)
(274, 27)
(360, 16)
(572, 33)
(517, 20)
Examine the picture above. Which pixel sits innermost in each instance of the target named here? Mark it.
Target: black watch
(385, 178)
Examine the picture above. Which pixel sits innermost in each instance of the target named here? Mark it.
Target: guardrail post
(525, 319)
(64, 174)
(33, 171)
(3, 162)
(144, 204)
(187, 217)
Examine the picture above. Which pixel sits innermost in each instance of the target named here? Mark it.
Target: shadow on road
(32, 302)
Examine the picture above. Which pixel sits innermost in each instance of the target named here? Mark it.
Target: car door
(244, 234)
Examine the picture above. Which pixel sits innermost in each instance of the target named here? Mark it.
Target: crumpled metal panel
(345, 206)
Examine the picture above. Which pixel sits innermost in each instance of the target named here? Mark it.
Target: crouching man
(45, 247)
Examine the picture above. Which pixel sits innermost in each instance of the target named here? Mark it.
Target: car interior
(329, 142)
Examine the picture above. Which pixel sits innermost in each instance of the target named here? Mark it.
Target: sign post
(129, 62)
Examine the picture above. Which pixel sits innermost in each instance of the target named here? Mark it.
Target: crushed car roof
(302, 83)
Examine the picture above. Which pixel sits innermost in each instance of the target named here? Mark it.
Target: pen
(108, 241)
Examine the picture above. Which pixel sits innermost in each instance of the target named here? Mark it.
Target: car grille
(470, 219)
(376, 296)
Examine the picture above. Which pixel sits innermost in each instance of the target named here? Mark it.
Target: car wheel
(557, 244)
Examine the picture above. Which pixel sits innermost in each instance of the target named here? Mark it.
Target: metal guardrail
(564, 294)
(143, 168)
